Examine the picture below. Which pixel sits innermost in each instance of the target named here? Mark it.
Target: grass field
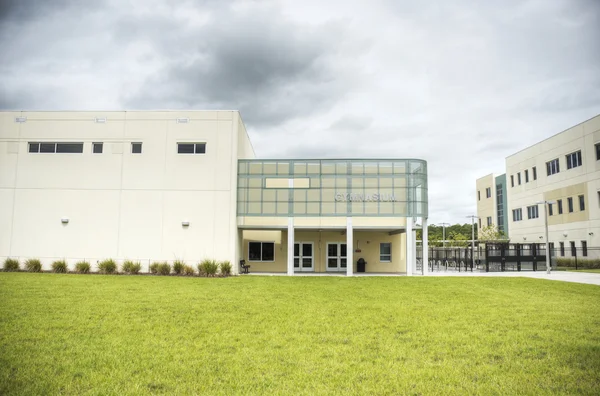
(94, 334)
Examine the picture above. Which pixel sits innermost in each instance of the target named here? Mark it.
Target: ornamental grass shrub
(108, 266)
(208, 268)
(131, 267)
(225, 267)
(60, 267)
(188, 270)
(581, 262)
(154, 268)
(33, 265)
(82, 267)
(11, 265)
(164, 268)
(178, 266)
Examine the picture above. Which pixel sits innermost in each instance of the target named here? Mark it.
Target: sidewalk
(565, 276)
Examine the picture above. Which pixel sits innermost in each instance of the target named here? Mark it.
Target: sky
(461, 84)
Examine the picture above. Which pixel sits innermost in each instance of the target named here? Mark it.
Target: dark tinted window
(200, 148)
(47, 147)
(69, 147)
(34, 147)
(268, 251)
(185, 148)
(136, 148)
(97, 148)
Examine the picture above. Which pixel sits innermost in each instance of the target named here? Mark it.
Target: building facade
(163, 185)
(491, 202)
(563, 170)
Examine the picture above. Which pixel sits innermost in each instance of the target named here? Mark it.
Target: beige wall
(584, 180)
(486, 207)
(367, 241)
(120, 205)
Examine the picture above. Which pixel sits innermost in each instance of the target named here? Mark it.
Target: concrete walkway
(565, 276)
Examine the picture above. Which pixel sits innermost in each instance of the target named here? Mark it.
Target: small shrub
(108, 266)
(33, 265)
(154, 268)
(60, 267)
(208, 268)
(581, 262)
(131, 267)
(164, 268)
(178, 266)
(225, 268)
(11, 264)
(82, 267)
(188, 270)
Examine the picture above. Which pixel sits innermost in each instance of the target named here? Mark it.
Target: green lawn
(93, 334)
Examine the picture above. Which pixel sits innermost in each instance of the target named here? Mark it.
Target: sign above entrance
(354, 197)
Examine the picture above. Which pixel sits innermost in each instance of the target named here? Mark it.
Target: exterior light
(20, 119)
(100, 120)
(183, 120)
(64, 220)
(185, 223)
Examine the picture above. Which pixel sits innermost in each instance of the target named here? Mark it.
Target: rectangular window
(532, 212)
(385, 252)
(55, 147)
(559, 203)
(550, 209)
(478, 195)
(584, 248)
(488, 192)
(191, 148)
(597, 151)
(534, 169)
(562, 249)
(570, 204)
(97, 148)
(519, 178)
(261, 251)
(526, 176)
(512, 180)
(517, 214)
(574, 160)
(479, 223)
(489, 221)
(136, 148)
(500, 207)
(573, 249)
(581, 203)
(552, 167)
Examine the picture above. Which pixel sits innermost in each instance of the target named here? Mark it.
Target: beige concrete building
(491, 202)
(564, 170)
(166, 185)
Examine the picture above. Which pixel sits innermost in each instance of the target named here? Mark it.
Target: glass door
(303, 256)
(336, 256)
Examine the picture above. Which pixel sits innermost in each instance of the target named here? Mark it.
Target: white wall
(120, 205)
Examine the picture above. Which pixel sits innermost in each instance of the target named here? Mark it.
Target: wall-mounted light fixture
(185, 223)
(183, 120)
(20, 119)
(64, 220)
(100, 120)
(590, 233)
(541, 237)
(565, 234)
(524, 238)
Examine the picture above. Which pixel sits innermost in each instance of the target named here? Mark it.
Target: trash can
(360, 265)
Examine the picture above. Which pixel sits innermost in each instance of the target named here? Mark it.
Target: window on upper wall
(517, 214)
(489, 221)
(479, 195)
(97, 148)
(559, 204)
(534, 171)
(550, 209)
(584, 248)
(488, 192)
(570, 204)
(574, 160)
(552, 167)
(519, 178)
(573, 249)
(261, 251)
(532, 212)
(597, 151)
(46, 147)
(385, 252)
(479, 223)
(191, 148)
(562, 248)
(581, 203)
(512, 180)
(526, 176)
(136, 148)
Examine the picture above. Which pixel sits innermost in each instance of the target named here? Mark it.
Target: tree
(491, 233)
(458, 239)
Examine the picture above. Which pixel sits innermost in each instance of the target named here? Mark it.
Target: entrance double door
(337, 259)
(304, 256)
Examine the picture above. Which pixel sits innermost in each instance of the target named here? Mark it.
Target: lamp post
(473, 217)
(546, 203)
(444, 233)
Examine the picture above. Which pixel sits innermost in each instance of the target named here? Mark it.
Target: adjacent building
(491, 202)
(563, 170)
(166, 185)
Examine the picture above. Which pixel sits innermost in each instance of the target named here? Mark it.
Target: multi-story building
(564, 171)
(162, 185)
(491, 202)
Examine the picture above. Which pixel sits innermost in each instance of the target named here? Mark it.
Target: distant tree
(458, 239)
(491, 233)
(435, 233)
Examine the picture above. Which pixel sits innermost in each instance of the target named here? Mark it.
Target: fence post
(575, 259)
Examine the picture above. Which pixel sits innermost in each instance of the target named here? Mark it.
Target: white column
(414, 251)
(290, 250)
(349, 247)
(425, 244)
(409, 244)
